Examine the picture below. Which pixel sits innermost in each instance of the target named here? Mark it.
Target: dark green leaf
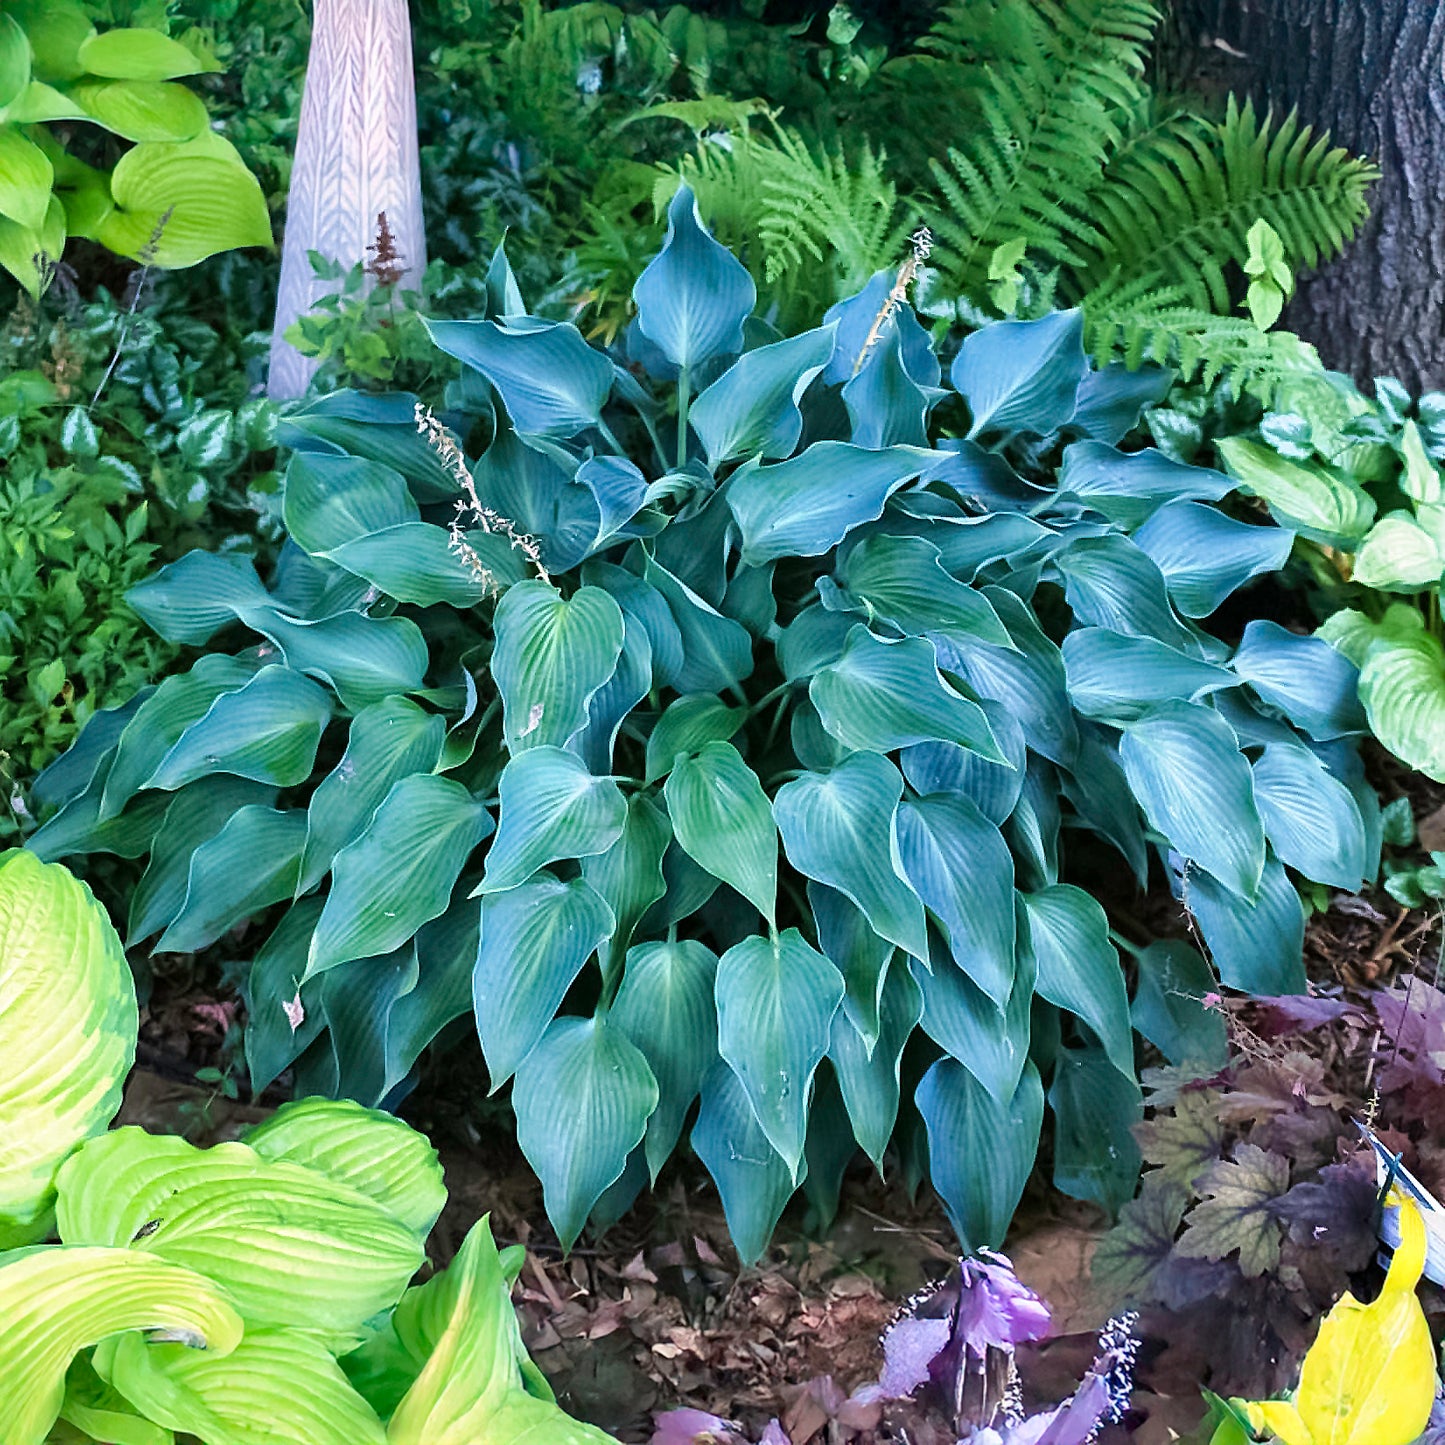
(1095, 1110)
(1168, 1007)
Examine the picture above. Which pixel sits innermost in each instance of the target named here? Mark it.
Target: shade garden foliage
(730, 728)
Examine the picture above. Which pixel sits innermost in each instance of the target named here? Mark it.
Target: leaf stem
(684, 399)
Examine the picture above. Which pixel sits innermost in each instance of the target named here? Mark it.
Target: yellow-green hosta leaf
(1399, 555)
(58, 1300)
(127, 53)
(277, 1387)
(472, 1390)
(68, 1026)
(39, 103)
(209, 203)
(101, 1413)
(25, 254)
(289, 1245)
(26, 177)
(142, 110)
(1369, 1377)
(1402, 685)
(373, 1152)
(1314, 499)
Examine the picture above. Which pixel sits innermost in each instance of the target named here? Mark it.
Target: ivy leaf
(1239, 1211)
(1129, 1258)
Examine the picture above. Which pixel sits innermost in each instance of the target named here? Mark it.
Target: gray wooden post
(356, 156)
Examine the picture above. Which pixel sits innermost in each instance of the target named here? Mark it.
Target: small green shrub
(180, 193)
(252, 1289)
(939, 638)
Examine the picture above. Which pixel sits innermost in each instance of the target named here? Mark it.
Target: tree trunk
(1372, 72)
(356, 157)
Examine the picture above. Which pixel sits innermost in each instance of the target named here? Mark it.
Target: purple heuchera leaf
(909, 1348)
(693, 1427)
(995, 1308)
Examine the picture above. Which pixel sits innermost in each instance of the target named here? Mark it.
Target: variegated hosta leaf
(277, 1387)
(373, 1152)
(67, 1032)
(472, 1388)
(60, 1299)
(288, 1244)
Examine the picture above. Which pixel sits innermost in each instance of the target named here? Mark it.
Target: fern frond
(1176, 205)
(1051, 117)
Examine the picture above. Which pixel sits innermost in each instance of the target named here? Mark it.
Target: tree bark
(356, 157)
(1372, 72)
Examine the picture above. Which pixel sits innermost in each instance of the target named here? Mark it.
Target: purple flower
(773, 1435)
(994, 1308)
(909, 1349)
(693, 1427)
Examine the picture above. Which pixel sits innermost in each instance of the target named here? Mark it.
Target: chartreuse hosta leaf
(100, 1412)
(722, 817)
(776, 998)
(288, 1245)
(58, 1300)
(374, 1153)
(1402, 686)
(552, 655)
(277, 1387)
(472, 1389)
(68, 1027)
(399, 872)
(610, 1093)
(1315, 500)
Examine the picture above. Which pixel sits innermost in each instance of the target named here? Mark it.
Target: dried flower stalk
(470, 507)
(921, 242)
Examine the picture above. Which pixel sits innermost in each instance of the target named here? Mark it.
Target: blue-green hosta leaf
(1078, 967)
(804, 506)
(1402, 686)
(1033, 827)
(882, 695)
(1027, 680)
(550, 380)
(754, 1180)
(686, 725)
(1257, 947)
(161, 719)
(776, 998)
(694, 295)
(1304, 678)
(578, 1151)
(856, 317)
(722, 817)
(902, 579)
(813, 639)
(58, 1301)
(289, 1246)
(528, 483)
(399, 872)
(666, 1007)
(716, 652)
(552, 655)
(1110, 401)
(629, 875)
(1168, 1007)
(534, 942)
(275, 1038)
(1117, 678)
(837, 829)
(251, 863)
(967, 1124)
(76, 827)
(1206, 556)
(388, 741)
(751, 410)
(1129, 488)
(68, 1027)
(993, 788)
(1021, 376)
(959, 865)
(191, 599)
(86, 762)
(867, 1069)
(1317, 501)
(991, 1042)
(1185, 768)
(372, 1152)
(1398, 555)
(619, 490)
(194, 815)
(330, 501)
(613, 702)
(862, 956)
(1310, 818)
(266, 730)
(886, 406)
(552, 808)
(478, 1384)
(1095, 1111)
(277, 1387)
(1097, 789)
(1111, 582)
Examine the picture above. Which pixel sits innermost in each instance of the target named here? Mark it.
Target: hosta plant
(722, 728)
(255, 1290)
(1362, 480)
(180, 193)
